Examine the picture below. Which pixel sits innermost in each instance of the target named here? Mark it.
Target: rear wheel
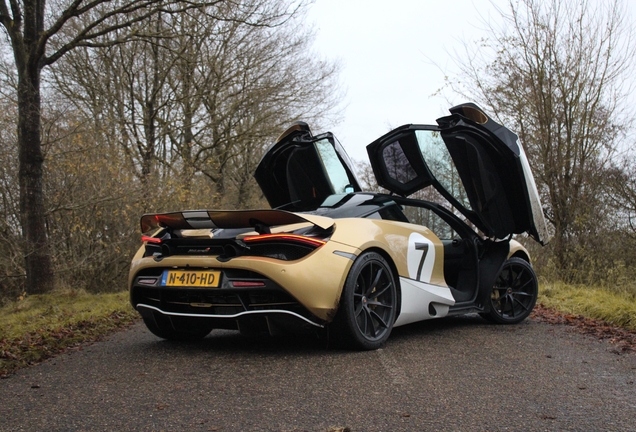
(368, 304)
(177, 328)
(514, 293)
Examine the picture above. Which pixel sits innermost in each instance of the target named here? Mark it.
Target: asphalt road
(453, 374)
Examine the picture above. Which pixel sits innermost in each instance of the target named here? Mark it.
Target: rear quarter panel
(396, 239)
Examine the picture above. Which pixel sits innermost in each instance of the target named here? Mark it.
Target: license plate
(189, 278)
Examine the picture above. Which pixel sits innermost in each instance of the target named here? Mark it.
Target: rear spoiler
(203, 219)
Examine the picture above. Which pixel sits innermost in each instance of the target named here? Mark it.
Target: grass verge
(610, 306)
(36, 327)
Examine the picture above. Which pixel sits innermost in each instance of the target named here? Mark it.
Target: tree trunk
(38, 265)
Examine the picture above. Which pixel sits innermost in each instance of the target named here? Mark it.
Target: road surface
(453, 374)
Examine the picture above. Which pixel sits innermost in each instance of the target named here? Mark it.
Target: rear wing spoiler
(203, 219)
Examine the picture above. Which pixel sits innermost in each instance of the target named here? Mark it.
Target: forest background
(171, 106)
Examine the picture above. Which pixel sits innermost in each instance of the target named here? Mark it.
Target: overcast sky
(391, 52)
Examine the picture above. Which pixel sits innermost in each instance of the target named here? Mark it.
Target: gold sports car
(331, 258)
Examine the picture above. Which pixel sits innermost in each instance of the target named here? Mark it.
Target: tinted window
(391, 212)
(397, 164)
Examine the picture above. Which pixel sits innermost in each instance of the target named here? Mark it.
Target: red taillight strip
(247, 284)
(148, 239)
(289, 237)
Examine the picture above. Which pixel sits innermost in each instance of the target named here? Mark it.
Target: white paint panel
(416, 298)
(533, 195)
(195, 214)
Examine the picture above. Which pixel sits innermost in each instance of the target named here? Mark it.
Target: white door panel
(417, 298)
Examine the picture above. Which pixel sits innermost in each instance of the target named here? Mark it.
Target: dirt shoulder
(623, 339)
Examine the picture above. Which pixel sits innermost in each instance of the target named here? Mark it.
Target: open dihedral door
(475, 163)
(300, 171)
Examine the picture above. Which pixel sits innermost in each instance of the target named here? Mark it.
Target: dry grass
(613, 306)
(33, 328)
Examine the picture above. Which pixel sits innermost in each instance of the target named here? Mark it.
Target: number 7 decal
(420, 257)
(422, 247)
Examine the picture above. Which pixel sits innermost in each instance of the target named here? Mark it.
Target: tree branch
(92, 31)
(15, 10)
(4, 13)
(13, 26)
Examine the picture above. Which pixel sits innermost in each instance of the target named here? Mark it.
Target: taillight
(148, 239)
(290, 238)
(247, 284)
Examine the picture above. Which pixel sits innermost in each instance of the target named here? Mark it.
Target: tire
(514, 293)
(177, 328)
(368, 304)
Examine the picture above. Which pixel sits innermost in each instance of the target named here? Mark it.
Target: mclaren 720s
(330, 257)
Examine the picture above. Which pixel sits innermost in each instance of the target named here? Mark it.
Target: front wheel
(514, 294)
(368, 304)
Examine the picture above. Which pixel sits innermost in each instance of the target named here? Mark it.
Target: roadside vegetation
(33, 328)
(615, 307)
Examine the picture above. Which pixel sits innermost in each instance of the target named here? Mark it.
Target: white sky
(391, 53)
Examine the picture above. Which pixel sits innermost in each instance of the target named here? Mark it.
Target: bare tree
(214, 94)
(11, 260)
(555, 71)
(40, 34)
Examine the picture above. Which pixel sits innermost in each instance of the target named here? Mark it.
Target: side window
(397, 164)
(427, 218)
(392, 212)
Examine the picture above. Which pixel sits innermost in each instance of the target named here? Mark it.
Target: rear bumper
(309, 287)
